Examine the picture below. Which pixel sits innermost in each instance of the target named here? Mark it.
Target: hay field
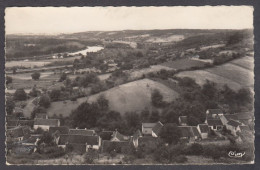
(133, 96)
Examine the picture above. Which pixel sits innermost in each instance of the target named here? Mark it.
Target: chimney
(77, 128)
(85, 128)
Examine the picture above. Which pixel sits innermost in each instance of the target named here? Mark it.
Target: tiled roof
(85, 132)
(119, 136)
(214, 122)
(188, 131)
(61, 129)
(234, 123)
(78, 139)
(204, 128)
(148, 125)
(50, 122)
(215, 111)
(157, 128)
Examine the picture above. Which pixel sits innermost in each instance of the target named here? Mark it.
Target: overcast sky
(51, 20)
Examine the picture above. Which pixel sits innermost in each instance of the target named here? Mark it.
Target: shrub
(45, 101)
(20, 95)
(36, 75)
(196, 149)
(9, 80)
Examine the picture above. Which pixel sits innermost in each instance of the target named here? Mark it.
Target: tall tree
(170, 133)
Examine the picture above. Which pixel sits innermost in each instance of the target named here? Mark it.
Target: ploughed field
(133, 96)
(236, 74)
(24, 80)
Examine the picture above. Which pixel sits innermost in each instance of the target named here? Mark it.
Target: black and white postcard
(129, 85)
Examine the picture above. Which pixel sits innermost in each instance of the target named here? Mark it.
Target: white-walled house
(77, 141)
(45, 124)
(203, 130)
(156, 129)
(147, 128)
(214, 124)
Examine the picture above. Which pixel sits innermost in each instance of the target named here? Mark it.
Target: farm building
(156, 129)
(147, 128)
(84, 132)
(80, 141)
(45, 124)
(214, 123)
(189, 133)
(64, 130)
(203, 130)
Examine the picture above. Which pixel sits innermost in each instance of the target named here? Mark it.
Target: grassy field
(231, 74)
(133, 96)
(245, 62)
(184, 64)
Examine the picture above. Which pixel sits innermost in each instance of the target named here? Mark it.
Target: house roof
(148, 125)
(214, 122)
(244, 128)
(78, 139)
(26, 122)
(183, 119)
(234, 123)
(204, 128)
(47, 122)
(61, 129)
(188, 131)
(85, 132)
(119, 136)
(157, 128)
(106, 135)
(214, 111)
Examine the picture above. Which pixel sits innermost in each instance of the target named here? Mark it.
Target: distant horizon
(123, 30)
(63, 20)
